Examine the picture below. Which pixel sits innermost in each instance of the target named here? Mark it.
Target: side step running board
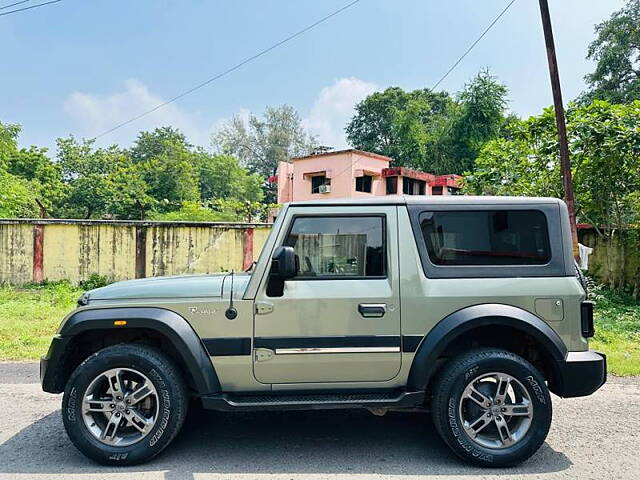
(229, 402)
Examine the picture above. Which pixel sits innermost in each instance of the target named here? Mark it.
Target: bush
(95, 281)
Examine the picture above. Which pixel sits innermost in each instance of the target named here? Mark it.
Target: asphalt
(596, 437)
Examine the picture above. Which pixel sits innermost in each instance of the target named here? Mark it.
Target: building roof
(408, 172)
(344, 152)
(428, 200)
(449, 180)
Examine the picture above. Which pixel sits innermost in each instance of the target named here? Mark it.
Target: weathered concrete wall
(36, 250)
(614, 261)
(16, 253)
(74, 252)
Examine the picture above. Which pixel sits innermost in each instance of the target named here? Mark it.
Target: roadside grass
(30, 315)
(617, 322)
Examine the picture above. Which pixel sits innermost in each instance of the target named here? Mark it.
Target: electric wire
(28, 8)
(468, 51)
(229, 70)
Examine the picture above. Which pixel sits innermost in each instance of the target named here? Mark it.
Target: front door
(338, 319)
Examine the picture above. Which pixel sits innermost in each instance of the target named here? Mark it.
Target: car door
(338, 319)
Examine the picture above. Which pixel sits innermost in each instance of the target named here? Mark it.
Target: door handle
(372, 310)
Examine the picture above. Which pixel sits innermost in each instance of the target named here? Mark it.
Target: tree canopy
(604, 140)
(260, 143)
(432, 131)
(616, 51)
(161, 173)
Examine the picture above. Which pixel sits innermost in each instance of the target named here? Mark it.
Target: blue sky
(81, 66)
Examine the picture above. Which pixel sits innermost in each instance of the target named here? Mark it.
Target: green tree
(525, 163)
(479, 119)
(8, 140)
(605, 149)
(195, 212)
(101, 182)
(616, 51)
(222, 177)
(260, 143)
(168, 166)
(396, 123)
(43, 176)
(16, 199)
(428, 130)
(32, 171)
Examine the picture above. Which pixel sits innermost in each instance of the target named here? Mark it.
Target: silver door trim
(295, 351)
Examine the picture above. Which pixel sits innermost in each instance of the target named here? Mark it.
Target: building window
(363, 184)
(436, 190)
(392, 185)
(411, 186)
(318, 182)
(498, 237)
(338, 247)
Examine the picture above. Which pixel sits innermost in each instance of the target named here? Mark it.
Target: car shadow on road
(268, 443)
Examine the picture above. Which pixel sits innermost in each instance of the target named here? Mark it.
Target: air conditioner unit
(324, 189)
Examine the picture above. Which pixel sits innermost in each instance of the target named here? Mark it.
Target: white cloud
(333, 108)
(94, 114)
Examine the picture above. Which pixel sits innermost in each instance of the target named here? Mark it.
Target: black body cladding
(173, 327)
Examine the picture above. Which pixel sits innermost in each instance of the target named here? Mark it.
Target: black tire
(449, 387)
(172, 403)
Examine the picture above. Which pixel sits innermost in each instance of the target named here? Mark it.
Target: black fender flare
(466, 319)
(167, 323)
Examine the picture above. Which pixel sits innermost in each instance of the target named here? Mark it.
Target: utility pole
(565, 161)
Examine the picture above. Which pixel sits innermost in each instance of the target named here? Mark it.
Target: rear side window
(339, 247)
(486, 237)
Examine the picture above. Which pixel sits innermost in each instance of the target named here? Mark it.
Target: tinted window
(499, 237)
(336, 247)
(392, 185)
(411, 186)
(363, 184)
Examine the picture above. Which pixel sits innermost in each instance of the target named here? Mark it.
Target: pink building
(355, 173)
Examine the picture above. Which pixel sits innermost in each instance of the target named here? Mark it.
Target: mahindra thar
(469, 308)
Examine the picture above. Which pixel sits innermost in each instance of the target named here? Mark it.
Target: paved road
(596, 437)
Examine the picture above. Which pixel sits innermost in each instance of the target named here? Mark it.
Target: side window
(392, 185)
(339, 247)
(486, 238)
(363, 184)
(319, 184)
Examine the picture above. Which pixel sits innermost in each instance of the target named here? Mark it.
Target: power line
(14, 4)
(231, 69)
(495, 20)
(29, 8)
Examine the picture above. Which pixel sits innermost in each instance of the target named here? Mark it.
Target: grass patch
(617, 319)
(29, 316)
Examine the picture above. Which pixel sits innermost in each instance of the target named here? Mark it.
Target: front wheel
(491, 407)
(124, 404)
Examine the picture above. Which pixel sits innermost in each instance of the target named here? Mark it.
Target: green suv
(469, 308)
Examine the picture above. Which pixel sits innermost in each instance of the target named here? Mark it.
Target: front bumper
(580, 374)
(52, 365)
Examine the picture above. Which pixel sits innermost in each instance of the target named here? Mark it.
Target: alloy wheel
(496, 410)
(120, 407)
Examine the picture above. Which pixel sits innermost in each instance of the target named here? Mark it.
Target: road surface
(596, 437)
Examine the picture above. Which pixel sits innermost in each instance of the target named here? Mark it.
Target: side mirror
(284, 263)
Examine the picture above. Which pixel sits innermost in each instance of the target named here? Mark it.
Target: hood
(184, 286)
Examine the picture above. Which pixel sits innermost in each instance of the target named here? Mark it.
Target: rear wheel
(492, 407)
(124, 404)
